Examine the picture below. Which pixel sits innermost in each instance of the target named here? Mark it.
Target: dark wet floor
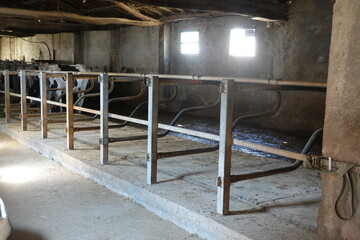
(283, 140)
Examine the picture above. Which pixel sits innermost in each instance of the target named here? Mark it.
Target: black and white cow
(59, 82)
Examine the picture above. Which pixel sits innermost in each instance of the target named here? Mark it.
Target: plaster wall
(96, 50)
(139, 48)
(61, 47)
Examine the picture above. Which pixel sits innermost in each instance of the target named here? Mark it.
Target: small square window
(242, 42)
(190, 42)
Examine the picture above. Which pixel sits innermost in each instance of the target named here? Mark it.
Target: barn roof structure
(29, 17)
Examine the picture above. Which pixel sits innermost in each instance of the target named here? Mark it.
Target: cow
(59, 83)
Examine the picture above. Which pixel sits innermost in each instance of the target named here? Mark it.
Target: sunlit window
(190, 42)
(242, 42)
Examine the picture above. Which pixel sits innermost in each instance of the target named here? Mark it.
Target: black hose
(172, 123)
(270, 172)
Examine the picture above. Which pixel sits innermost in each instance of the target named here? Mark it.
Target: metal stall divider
(226, 140)
(44, 107)
(153, 121)
(104, 118)
(69, 111)
(7, 95)
(22, 75)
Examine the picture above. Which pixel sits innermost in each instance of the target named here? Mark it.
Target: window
(190, 42)
(242, 42)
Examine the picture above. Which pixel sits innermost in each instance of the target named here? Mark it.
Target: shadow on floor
(20, 234)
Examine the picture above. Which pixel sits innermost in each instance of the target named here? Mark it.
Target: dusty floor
(45, 201)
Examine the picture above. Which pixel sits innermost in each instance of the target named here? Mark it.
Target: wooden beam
(276, 11)
(31, 27)
(54, 16)
(131, 10)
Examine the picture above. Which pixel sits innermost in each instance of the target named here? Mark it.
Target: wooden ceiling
(29, 17)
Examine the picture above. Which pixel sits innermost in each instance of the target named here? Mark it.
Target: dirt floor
(45, 201)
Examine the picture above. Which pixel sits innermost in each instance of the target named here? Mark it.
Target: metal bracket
(103, 141)
(150, 156)
(148, 81)
(219, 182)
(222, 87)
(314, 161)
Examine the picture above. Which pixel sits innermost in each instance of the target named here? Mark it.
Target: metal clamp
(315, 162)
(103, 141)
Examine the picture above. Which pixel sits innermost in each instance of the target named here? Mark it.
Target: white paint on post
(23, 100)
(44, 108)
(104, 118)
(224, 169)
(70, 111)
(7, 95)
(153, 115)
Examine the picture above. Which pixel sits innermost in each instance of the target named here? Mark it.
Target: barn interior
(230, 119)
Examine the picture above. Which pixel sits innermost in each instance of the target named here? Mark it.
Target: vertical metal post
(69, 111)
(23, 100)
(224, 169)
(7, 95)
(104, 118)
(153, 120)
(44, 108)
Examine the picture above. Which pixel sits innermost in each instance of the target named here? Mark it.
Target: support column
(23, 100)
(70, 111)
(104, 118)
(7, 96)
(153, 120)
(44, 108)
(342, 125)
(226, 118)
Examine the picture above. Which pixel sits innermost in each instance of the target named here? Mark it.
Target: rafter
(132, 11)
(276, 11)
(72, 17)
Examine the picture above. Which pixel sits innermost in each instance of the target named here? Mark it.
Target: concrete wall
(306, 55)
(139, 48)
(342, 123)
(96, 50)
(18, 49)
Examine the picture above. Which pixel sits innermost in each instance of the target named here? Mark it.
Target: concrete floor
(46, 201)
(278, 207)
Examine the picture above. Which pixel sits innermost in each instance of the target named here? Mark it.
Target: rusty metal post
(153, 115)
(224, 169)
(104, 118)
(7, 96)
(44, 108)
(22, 75)
(70, 111)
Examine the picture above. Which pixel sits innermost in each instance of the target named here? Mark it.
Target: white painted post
(22, 75)
(224, 169)
(153, 115)
(44, 108)
(7, 96)
(104, 118)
